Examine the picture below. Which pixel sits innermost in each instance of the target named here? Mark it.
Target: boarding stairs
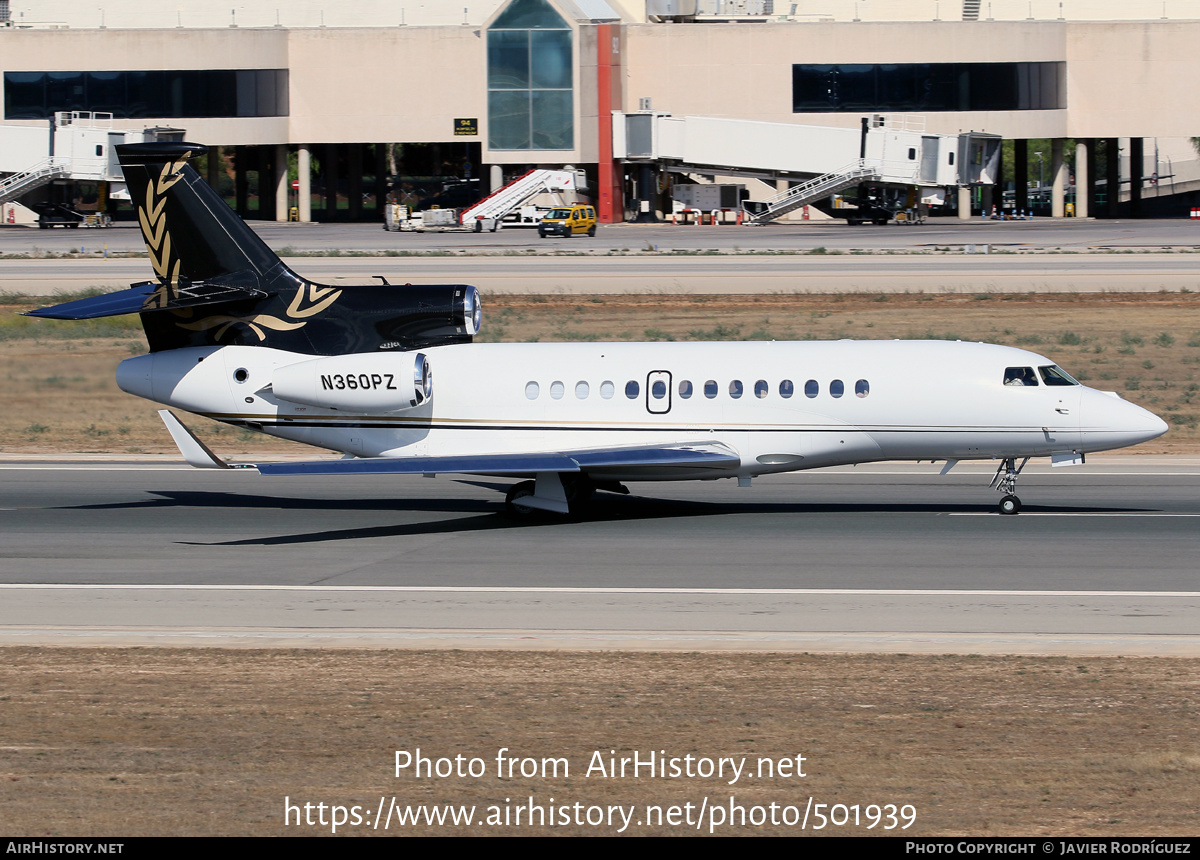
(41, 173)
(970, 10)
(515, 194)
(860, 170)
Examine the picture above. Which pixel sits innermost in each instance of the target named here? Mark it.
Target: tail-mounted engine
(363, 382)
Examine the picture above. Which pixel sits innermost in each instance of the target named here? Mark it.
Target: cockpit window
(1019, 376)
(1055, 375)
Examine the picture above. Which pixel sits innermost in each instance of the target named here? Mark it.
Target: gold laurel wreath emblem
(152, 218)
(309, 300)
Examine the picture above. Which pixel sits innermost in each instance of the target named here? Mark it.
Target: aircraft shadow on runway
(485, 515)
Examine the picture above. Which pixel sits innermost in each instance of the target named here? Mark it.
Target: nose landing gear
(1006, 482)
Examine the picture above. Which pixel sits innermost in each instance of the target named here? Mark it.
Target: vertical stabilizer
(191, 234)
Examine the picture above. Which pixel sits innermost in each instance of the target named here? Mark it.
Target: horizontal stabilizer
(708, 455)
(145, 298)
(128, 301)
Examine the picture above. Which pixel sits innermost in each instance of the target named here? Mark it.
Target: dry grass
(156, 741)
(1146, 346)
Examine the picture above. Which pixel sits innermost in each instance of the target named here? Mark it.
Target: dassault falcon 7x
(238, 337)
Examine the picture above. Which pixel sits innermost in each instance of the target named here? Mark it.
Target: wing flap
(477, 464)
(646, 460)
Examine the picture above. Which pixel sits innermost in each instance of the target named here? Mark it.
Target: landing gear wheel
(1010, 505)
(516, 493)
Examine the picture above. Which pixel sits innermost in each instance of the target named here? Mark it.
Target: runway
(878, 558)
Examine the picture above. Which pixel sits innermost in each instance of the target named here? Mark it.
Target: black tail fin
(191, 234)
(219, 284)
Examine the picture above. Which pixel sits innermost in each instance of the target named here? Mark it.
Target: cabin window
(761, 388)
(1019, 376)
(735, 389)
(710, 389)
(607, 389)
(811, 388)
(531, 390)
(1055, 375)
(837, 388)
(632, 389)
(556, 390)
(786, 389)
(658, 390)
(862, 388)
(582, 390)
(685, 389)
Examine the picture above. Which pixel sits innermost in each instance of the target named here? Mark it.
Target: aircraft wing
(607, 463)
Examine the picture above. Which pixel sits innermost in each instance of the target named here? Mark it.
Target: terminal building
(319, 105)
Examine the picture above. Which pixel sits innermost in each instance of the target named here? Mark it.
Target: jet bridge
(80, 145)
(891, 151)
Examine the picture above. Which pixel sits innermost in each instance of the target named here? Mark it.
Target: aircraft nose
(1110, 422)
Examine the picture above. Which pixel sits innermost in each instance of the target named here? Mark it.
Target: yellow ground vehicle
(569, 221)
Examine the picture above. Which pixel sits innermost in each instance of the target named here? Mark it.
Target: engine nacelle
(362, 382)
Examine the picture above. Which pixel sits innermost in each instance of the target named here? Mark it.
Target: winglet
(193, 450)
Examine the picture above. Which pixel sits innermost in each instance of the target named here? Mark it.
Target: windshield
(1055, 375)
(559, 213)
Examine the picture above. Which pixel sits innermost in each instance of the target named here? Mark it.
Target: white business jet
(238, 337)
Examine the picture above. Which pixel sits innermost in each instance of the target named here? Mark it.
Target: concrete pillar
(331, 182)
(354, 170)
(495, 178)
(987, 195)
(1058, 184)
(282, 187)
(1083, 181)
(304, 169)
(964, 202)
(1021, 174)
(1136, 156)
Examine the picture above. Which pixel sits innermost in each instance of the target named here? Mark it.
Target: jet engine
(360, 382)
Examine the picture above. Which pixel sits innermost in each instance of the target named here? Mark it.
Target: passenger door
(658, 392)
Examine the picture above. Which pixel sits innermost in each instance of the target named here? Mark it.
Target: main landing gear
(561, 494)
(1006, 482)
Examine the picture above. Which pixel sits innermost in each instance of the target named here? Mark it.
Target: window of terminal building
(529, 72)
(928, 87)
(169, 94)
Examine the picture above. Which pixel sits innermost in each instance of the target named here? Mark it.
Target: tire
(541, 233)
(512, 501)
(592, 230)
(1010, 505)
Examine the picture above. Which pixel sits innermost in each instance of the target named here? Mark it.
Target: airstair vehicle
(516, 194)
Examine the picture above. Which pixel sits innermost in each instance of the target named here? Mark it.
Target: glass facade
(924, 87)
(161, 94)
(529, 74)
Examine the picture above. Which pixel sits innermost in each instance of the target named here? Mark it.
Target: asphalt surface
(892, 558)
(944, 256)
(713, 275)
